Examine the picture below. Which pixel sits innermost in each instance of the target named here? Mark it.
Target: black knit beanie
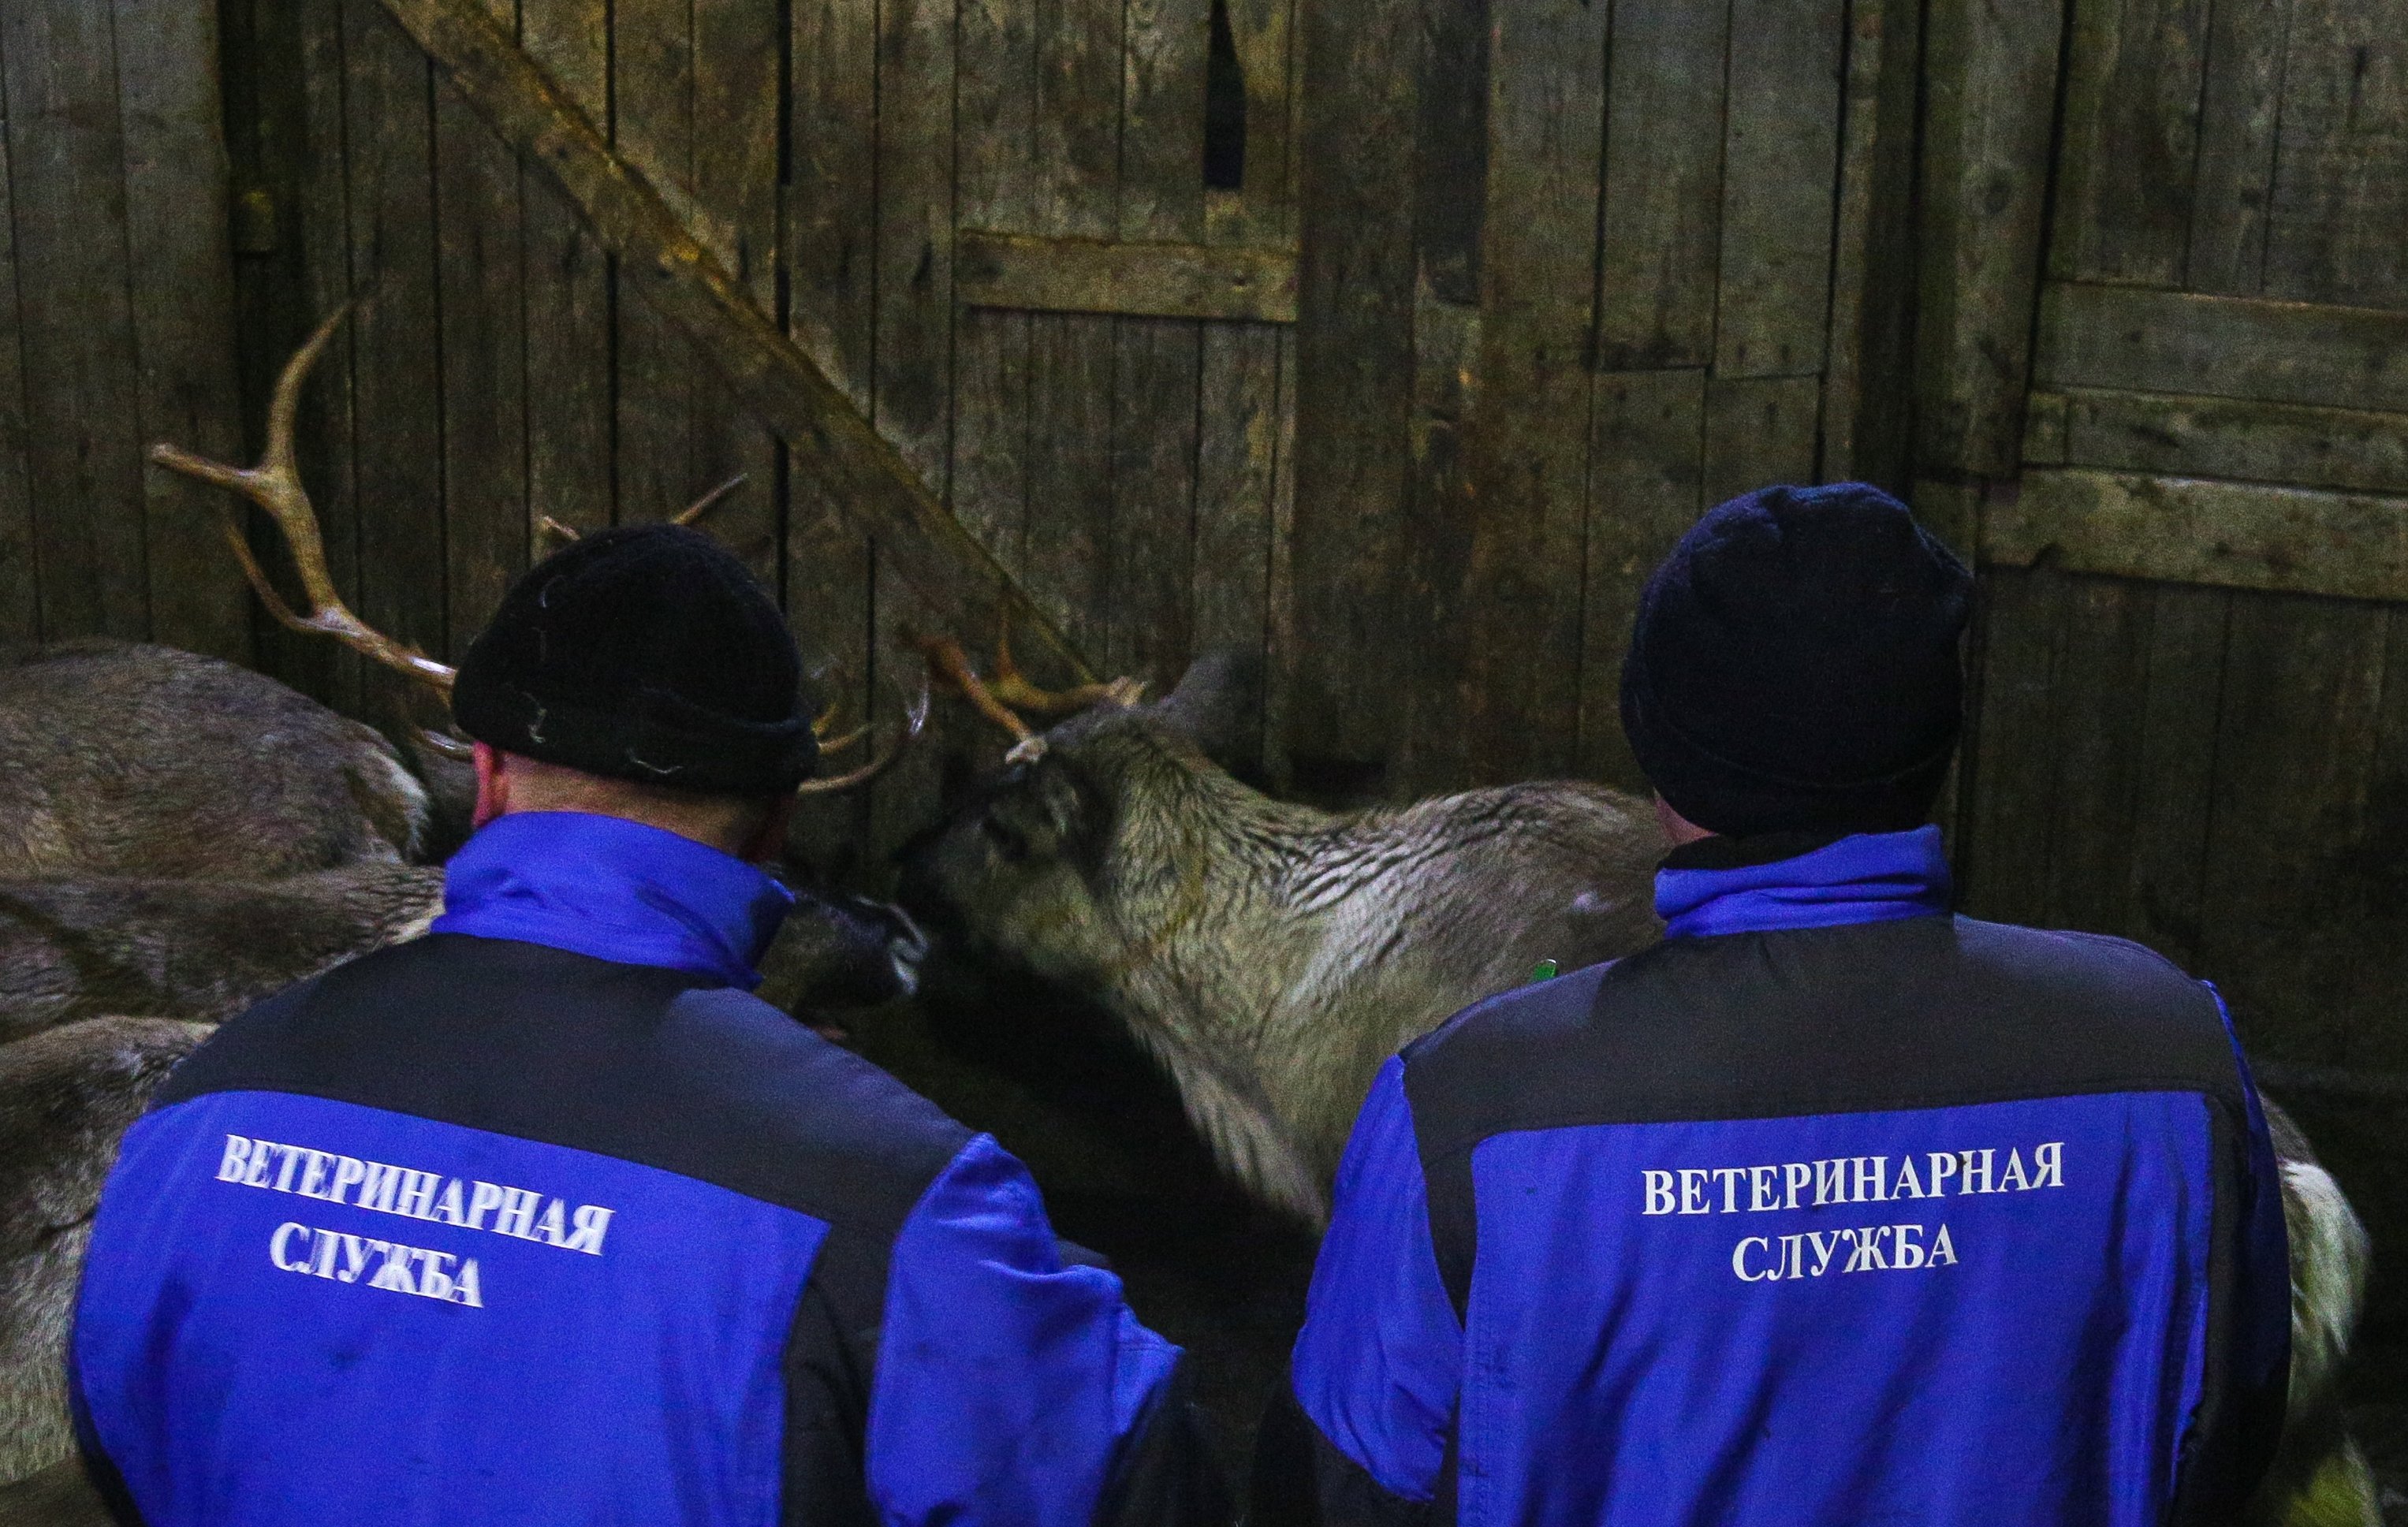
(1794, 665)
(646, 652)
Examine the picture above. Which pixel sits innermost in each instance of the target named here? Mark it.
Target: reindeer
(1270, 957)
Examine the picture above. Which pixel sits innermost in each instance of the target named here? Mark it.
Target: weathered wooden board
(181, 288)
(1149, 562)
(2301, 690)
(912, 365)
(1520, 585)
(1361, 78)
(2009, 759)
(994, 186)
(915, 227)
(1237, 477)
(2180, 707)
(1863, 416)
(1663, 186)
(1780, 155)
(2193, 530)
(397, 374)
(656, 372)
(480, 275)
(830, 235)
(2239, 104)
(1645, 480)
(2340, 194)
(1991, 87)
(1074, 194)
(1157, 363)
(2102, 660)
(20, 610)
(1164, 49)
(2221, 437)
(736, 155)
(1262, 211)
(1760, 431)
(329, 463)
(2131, 143)
(2157, 341)
(1095, 276)
(66, 169)
(567, 290)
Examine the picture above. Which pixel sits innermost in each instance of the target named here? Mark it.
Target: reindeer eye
(1008, 841)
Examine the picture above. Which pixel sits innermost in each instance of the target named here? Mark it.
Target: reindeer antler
(915, 719)
(1020, 694)
(275, 486)
(1001, 699)
(560, 531)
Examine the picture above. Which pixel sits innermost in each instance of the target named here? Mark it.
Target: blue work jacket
(545, 1217)
(1832, 1208)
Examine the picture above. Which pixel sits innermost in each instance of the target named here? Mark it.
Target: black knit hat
(1794, 664)
(646, 652)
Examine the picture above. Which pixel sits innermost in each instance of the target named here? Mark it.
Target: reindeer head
(1090, 848)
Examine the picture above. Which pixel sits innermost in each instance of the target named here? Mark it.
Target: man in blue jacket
(1832, 1207)
(545, 1217)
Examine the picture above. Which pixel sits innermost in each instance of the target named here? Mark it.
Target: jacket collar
(615, 890)
(1866, 878)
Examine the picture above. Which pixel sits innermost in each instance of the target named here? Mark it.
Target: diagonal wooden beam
(963, 587)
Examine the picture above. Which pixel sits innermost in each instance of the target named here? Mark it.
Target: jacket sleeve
(1010, 1388)
(2261, 1302)
(1362, 1432)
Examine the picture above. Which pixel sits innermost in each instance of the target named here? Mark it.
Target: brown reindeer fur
(80, 948)
(119, 758)
(66, 1095)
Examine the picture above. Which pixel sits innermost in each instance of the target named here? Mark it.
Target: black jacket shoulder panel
(1922, 1012)
(632, 1061)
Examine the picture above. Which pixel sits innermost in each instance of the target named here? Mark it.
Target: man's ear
(493, 785)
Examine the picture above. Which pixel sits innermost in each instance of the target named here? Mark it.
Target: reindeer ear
(1218, 706)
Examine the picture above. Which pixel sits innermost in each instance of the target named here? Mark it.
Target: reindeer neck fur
(1275, 954)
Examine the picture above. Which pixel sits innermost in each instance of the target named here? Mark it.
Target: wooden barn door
(2180, 395)
(1572, 271)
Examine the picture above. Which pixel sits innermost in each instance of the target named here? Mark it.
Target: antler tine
(945, 658)
(915, 719)
(833, 712)
(275, 485)
(1016, 691)
(709, 501)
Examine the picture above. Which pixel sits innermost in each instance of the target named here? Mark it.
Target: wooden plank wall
(116, 323)
(1561, 278)
(2213, 765)
(1130, 467)
(1569, 275)
(2221, 769)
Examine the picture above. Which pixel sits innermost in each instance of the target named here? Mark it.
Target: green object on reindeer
(1543, 970)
